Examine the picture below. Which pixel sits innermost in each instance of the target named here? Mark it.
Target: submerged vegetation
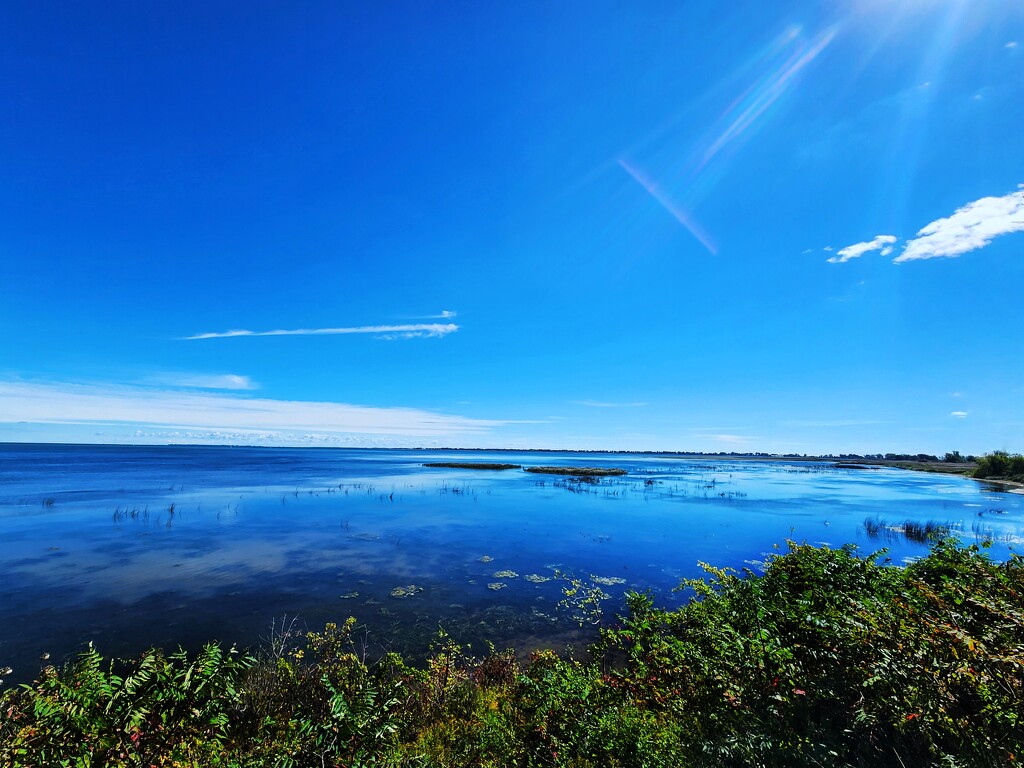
(579, 471)
(828, 658)
(471, 465)
(912, 530)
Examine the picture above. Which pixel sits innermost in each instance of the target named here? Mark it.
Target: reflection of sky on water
(257, 533)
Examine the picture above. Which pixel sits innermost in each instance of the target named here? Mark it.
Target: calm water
(136, 546)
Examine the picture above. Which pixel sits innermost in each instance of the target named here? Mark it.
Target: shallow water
(136, 546)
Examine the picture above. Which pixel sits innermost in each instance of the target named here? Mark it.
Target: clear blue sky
(786, 227)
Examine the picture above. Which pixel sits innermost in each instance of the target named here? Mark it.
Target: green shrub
(828, 658)
(1000, 464)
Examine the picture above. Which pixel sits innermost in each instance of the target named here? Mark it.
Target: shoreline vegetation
(574, 471)
(827, 658)
(579, 471)
(472, 465)
(998, 467)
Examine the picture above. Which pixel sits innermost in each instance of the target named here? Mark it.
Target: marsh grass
(925, 532)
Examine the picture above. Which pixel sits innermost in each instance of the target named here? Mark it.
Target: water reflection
(181, 545)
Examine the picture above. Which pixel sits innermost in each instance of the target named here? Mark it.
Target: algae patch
(408, 591)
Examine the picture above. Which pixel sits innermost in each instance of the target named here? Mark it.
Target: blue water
(135, 546)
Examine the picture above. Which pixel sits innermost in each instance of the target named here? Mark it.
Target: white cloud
(204, 381)
(1011, 44)
(114, 404)
(958, 414)
(881, 243)
(973, 226)
(604, 404)
(732, 439)
(408, 331)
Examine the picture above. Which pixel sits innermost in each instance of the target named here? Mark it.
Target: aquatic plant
(472, 465)
(578, 471)
(913, 530)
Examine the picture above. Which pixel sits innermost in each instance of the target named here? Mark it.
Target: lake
(137, 546)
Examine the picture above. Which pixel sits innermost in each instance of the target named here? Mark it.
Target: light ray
(680, 215)
(756, 100)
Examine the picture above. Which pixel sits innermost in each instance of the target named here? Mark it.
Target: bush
(1002, 465)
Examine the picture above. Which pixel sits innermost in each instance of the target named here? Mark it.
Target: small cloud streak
(1011, 44)
(604, 404)
(407, 331)
(731, 439)
(971, 227)
(205, 381)
(958, 414)
(881, 243)
(832, 424)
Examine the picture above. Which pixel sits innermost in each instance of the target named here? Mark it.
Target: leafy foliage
(1000, 464)
(828, 658)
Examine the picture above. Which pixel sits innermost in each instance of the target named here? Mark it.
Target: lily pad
(496, 586)
(486, 559)
(506, 575)
(536, 578)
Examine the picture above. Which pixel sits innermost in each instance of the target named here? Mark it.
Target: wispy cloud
(735, 440)
(830, 424)
(882, 243)
(204, 381)
(958, 414)
(604, 404)
(407, 331)
(1011, 44)
(162, 408)
(971, 227)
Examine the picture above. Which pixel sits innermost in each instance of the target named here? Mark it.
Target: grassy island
(578, 471)
(471, 465)
(828, 658)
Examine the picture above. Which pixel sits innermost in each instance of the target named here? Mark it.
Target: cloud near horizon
(204, 381)
(604, 404)
(971, 227)
(105, 404)
(881, 243)
(406, 331)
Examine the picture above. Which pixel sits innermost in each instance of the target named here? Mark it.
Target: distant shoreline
(850, 461)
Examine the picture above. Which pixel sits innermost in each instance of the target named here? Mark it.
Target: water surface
(136, 546)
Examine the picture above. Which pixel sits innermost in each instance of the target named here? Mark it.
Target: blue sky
(785, 227)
